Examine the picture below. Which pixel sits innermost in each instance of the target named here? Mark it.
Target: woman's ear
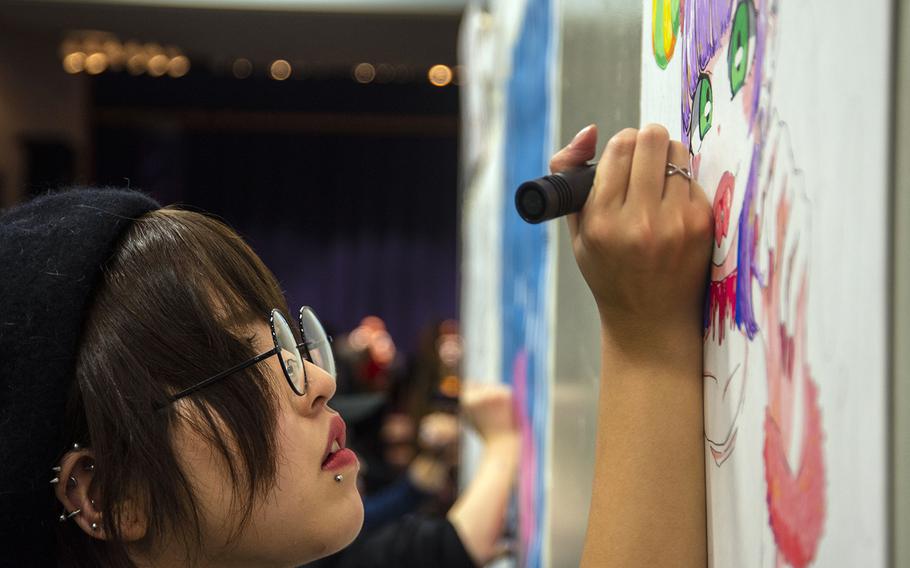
(79, 495)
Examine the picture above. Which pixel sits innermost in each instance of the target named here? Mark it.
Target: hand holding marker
(562, 193)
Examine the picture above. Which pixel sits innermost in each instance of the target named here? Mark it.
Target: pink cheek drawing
(723, 202)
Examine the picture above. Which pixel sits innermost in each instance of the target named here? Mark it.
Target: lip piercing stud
(339, 478)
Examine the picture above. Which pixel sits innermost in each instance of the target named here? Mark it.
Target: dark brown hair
(171, 311)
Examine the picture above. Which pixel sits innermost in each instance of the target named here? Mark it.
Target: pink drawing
(793, 451)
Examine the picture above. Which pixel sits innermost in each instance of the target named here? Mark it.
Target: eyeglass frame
(302, 348)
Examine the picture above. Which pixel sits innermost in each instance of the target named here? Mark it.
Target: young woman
(153, 374)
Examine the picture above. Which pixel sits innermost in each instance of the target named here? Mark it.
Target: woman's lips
(339, 460)
(341, 456)
(723, 202)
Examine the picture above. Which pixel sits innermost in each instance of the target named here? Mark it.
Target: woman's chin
(353, 522)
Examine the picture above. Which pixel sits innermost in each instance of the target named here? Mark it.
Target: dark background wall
(347, 191)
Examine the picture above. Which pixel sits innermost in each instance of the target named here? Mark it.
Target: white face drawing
(722, 147)
(726, 372)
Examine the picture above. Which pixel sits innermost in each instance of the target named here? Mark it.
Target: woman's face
(307, 514)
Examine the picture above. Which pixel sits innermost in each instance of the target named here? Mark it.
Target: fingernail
(580, 134)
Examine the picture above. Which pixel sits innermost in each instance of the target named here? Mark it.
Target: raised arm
(642, 243)
(479, 513)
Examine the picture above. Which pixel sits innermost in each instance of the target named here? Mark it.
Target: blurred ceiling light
(157, 65)
(440, 75)
(178, 66)
(385, 73)
(96, 63)
(136, 64)
(280, 70)
(364, 73)
(242, 68)
(74, 62)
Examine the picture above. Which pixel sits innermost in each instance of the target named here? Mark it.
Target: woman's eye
(292, 364)
(738, 50)
(705, 97)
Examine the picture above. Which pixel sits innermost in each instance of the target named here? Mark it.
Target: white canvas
(783, 104)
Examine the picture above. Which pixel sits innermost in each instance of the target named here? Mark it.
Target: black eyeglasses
(315, 346)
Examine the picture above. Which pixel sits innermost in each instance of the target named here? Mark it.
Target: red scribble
(722, 303)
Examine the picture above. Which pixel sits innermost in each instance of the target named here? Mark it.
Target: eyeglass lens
(288, 352)
(316, 342)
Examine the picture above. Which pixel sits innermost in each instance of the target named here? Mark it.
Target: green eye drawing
(705, 98)
(738, 51)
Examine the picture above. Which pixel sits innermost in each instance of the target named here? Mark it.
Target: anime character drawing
(722, 50)
(755, 314)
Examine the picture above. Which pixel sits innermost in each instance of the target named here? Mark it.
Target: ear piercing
(339, 478)
(67, 516)
(94, 526)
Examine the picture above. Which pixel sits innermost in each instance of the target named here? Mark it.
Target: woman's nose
(320, 387)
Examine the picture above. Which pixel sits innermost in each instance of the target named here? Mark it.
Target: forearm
(479, 513)
(648, 501)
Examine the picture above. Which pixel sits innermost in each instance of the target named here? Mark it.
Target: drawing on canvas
(756, 307)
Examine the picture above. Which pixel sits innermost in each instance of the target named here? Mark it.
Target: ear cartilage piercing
(76, 446)
(55, 481)
(89, 467)
(66, 516)
(339, 478)
(94, 526)
(73, 482)
(56, 469)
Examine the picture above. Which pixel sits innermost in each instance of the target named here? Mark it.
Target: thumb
(578, 152)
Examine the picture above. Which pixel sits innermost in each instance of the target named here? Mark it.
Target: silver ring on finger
(674, 169)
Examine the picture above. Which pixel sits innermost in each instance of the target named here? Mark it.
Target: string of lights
(94, 53)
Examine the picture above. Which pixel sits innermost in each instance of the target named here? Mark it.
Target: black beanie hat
(52, 250)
